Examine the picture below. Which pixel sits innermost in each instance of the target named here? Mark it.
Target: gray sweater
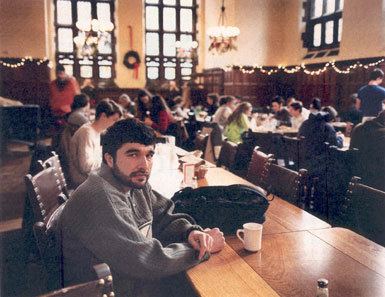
(134, 232)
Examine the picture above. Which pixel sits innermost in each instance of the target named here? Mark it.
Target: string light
(28, 59)
(298, 68)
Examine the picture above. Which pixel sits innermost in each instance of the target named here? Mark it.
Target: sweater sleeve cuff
(192, 228)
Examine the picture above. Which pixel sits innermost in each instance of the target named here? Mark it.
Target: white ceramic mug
(252, 236)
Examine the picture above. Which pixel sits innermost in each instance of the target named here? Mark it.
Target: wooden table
(297, 249)
(281, 216)
(292, 262)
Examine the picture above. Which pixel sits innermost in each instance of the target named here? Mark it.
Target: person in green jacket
(238, 122)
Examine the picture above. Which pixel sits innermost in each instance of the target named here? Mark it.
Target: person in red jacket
(62, 92)
(160, 116)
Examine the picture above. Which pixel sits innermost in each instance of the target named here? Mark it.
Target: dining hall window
(323, 24)
(170, 39)
(85, 40)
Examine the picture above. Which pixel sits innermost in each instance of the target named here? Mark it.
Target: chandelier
(91, 35)
(222, 37)
(186, 49)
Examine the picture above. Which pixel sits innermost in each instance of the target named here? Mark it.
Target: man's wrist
(192, 228)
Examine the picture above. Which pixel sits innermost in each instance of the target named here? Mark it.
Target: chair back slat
(55, 163)
(364, 210)
(227, 154)
(287, 184)
(257, 170)
(290, 152)
(43, 190)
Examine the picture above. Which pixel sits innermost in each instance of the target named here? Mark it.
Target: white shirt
(85, 153)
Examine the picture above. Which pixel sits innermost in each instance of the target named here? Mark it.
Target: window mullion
(178, 71)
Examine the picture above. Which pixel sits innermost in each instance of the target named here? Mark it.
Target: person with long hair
(160, 116)
(238, 122)
(143, 104)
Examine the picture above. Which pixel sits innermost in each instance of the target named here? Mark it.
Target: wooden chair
(203, 143)
(98, 288)
(257, 170)
(267, 142)
(290, 152)
(339, 171)
(55, 163)
(45, 193)
(227, 155)
(46, 197)
(287, 184)
(48, 241)
(364, 210)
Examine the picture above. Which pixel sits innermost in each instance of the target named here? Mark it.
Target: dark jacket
(316, 131)
(283, 117)
(369, 139)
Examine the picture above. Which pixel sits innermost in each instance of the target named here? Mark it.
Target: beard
(128, 180)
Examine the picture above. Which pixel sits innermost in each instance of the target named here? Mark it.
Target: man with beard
(62, 92)
(116, 218)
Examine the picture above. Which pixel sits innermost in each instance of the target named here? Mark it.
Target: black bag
(225, 207)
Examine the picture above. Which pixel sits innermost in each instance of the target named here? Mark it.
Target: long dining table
(297, 250)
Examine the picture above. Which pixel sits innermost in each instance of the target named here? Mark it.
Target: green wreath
(131, 59)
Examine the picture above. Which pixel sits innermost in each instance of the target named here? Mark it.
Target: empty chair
(341, 167)
(290, 152)
(227, 154)
(286, 184)
(203, 143)
(268, 143)
(257, 170)
(364, 210)
(98, 288)
(48, 241)
(55, 163)
(45, 193)
(243, 154)
(46, 198)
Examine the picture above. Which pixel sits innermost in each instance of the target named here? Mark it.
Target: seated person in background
(80, 113)
(354, 113)
(305, 112)
(128, 106)
(280, 113)
(315, 105)
(226, 108)
(369, 139)
(317, 130)
(169, 91)
(212, 103)
(176, 105)
(160, 116)
(144, 104)
(295, 110)
(62, 92)
(116, 218)
(238, 122)
(85, 148)
(88, 88)
(289, 101)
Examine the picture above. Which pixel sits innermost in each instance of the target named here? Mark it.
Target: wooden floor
(14, 165)
(20, 274)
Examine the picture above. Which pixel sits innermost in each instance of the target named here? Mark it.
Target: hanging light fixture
(90, 35)
(186, 49)
(222, 37)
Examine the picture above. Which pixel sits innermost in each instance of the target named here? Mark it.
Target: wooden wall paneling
(28, 83)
